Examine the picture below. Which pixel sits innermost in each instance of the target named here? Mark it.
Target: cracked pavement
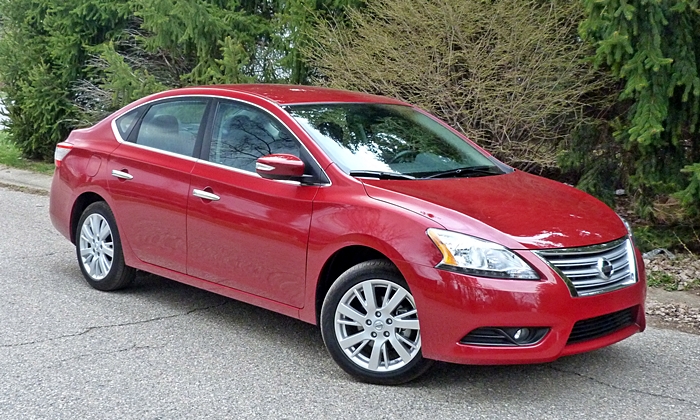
(98, 327)
(163, 350)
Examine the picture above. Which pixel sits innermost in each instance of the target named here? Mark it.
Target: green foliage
(662, 280)
(42, 52)
(595, 160)
(45, 112)
(67, 63)
(11, 156)
(297, 21)
(509, 74)
(125, 83)
(690, 196)
(677, 238)
(200, 32)
(653, 47)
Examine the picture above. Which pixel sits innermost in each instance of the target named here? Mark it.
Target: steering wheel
(404, 156)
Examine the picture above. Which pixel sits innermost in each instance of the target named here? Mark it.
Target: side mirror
(280, 166)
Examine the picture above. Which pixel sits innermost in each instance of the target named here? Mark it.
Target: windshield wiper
(466, 172)
(381, 175)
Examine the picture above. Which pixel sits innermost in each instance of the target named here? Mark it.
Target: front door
(244, 231)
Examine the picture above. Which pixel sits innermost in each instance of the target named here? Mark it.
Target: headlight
(469, 255)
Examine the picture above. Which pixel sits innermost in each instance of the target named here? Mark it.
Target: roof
(301, 94)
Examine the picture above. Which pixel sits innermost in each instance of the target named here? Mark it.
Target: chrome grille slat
(623, 272)
(593, 270)
(582, 273)
(573, 263)
(579, 266)
(591, 284)
(616, 253)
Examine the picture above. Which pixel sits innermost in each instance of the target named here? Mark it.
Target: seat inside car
(163, 132)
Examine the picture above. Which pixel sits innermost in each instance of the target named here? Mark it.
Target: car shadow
(227, 313)
(302, 343)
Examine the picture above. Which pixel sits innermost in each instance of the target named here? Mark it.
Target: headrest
(166, 124)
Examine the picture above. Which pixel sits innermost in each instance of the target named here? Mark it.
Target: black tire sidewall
(369, 270)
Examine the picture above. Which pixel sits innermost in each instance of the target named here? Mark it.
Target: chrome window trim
(119, 138)
(165, 152)
(344, 102)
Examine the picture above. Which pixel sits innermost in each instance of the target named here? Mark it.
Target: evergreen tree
(43, 49)
(66, 63)
(653, 47)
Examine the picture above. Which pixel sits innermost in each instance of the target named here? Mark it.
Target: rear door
(151, 179)
(244, 231)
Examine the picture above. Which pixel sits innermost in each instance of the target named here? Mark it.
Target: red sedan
(402, 239)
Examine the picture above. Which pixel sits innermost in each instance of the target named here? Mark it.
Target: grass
(669, 282)
(11, 156)
(662, 280)
(671, 274)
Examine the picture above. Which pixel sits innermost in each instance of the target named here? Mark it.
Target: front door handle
(205, 195)
(122, 174)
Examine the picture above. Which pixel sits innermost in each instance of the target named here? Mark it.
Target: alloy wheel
(377, 327)
(96, 246)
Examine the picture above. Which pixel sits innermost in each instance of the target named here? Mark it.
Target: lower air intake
(600, 326)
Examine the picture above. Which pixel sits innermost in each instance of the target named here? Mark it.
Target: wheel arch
(79, 206)
(337, 264)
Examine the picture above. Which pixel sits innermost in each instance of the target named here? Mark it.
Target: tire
(99, 249)
(375, 339)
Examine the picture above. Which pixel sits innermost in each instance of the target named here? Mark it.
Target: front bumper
(452, 305)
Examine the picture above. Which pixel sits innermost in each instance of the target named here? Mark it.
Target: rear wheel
(99, 250)
(369, 324)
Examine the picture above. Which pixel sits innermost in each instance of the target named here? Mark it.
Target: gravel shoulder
(678, 310)
(19, 179)
(674, 302)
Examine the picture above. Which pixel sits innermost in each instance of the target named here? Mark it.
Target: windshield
(386, 140)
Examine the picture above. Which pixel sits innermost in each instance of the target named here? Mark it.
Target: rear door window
(172, 126)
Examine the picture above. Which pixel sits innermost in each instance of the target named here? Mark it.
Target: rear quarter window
(126, 123)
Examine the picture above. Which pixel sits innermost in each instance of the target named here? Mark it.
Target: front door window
(241, 134)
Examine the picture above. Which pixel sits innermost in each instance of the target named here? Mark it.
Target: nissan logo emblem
(605, 268)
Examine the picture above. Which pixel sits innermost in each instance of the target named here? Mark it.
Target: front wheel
(99, 249)
(369, 324)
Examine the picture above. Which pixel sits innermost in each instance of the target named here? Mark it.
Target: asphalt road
(163, 350)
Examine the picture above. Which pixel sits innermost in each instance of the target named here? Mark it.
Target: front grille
(589, 329)
(594, 269)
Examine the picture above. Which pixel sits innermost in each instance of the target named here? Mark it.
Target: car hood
(533, 211)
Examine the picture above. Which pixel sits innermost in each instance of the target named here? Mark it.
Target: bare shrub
(511, 75)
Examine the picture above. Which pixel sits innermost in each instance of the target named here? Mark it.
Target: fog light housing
(521, 334)
(505, 336)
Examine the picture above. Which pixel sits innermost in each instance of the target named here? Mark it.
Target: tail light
(62, 150)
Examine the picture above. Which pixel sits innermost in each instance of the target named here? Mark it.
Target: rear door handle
(205, 195)
(122, 174)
